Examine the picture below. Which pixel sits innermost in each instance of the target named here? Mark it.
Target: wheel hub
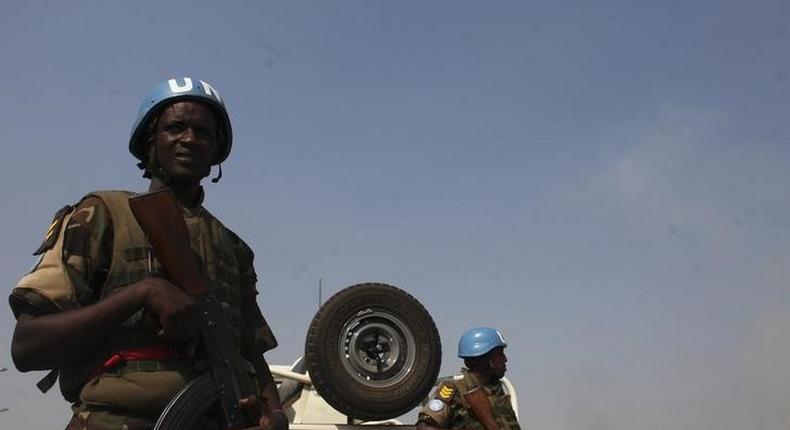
(378, 349)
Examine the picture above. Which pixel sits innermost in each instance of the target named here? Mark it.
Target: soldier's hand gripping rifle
(160, 217)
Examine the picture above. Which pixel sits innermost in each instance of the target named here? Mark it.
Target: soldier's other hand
(172, 308)
(271, 420)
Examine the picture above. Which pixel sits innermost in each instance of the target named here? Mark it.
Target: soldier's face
(186, 140)
(496, 361)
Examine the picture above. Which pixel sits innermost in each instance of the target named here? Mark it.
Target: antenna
(319, 292)
(4, 409)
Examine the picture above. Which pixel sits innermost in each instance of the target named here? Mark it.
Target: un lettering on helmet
(207, 88)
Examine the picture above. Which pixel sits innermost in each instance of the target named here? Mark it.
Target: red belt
(154, 353)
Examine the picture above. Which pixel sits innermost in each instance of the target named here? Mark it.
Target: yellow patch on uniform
(446, 392)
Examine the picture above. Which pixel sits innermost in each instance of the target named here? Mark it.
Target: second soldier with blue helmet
(97, 309)
(448, 406)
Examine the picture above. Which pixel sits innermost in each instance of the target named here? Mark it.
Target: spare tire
(373, 351)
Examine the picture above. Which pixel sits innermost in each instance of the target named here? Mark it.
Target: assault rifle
(159, 215)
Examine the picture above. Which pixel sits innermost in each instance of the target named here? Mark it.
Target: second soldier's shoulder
(448, 388)
(453, 380)
(466, 380)
(446, 391)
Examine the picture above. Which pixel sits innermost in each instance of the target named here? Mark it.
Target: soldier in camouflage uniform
(482, 349)
(96, 307)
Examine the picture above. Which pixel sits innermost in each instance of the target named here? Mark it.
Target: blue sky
(604, 181)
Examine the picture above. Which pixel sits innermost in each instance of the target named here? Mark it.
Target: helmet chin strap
(219, 175)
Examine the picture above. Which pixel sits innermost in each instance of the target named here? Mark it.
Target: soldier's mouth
(186, 156)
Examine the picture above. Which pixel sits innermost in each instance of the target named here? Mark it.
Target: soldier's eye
(202, 131)
(174, 127)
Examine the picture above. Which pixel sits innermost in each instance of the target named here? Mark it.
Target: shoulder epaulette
(51, 235)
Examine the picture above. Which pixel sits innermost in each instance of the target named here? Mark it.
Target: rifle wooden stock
(481, 407)
(159, 215)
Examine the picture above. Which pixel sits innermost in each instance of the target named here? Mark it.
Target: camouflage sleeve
(256, 333)
(75, 257)
(438, 410)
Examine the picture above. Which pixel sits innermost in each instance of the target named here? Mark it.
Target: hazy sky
(605, 181)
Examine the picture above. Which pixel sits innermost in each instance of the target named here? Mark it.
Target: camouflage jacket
(95, 248)
(447, 407)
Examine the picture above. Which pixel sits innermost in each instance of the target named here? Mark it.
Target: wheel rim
(377, 348)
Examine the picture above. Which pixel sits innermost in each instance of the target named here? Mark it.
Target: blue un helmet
(169, 92)
(479, 341)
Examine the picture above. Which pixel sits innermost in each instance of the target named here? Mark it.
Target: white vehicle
(372, 353)
(307, 410)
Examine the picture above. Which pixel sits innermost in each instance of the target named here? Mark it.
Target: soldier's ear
(150, 165)
(150, 130)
